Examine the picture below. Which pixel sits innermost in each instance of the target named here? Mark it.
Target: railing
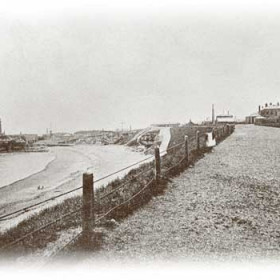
(90, 200)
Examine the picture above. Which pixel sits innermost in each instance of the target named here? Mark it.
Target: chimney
(259, 108)
(213, 114)
(265, 104)
(0, 127)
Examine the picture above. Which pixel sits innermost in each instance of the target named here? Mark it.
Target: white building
(225, 118)
(251, 119)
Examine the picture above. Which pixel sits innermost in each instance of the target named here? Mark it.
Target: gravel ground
(226, 206)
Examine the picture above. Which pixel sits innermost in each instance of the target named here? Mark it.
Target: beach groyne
(115, 200)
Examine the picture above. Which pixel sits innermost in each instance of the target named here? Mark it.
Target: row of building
(269, 114)
(24, 141)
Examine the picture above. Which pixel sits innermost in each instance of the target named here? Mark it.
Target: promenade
(226, 206)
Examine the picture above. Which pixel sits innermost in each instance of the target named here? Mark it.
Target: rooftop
(269, 107)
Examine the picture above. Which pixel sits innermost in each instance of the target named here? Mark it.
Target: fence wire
(101, 218)
(73, 239)
(177, 164)
(124, 184)
(41, 228)
(123, 203)
(25, 209)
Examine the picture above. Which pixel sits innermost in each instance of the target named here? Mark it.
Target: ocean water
(55, 172)
(17, 166)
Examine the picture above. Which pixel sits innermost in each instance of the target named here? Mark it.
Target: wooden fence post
(197, 140)
(187, 148)
(88, 204)
(9, 147)
(228, 129)
(157, 165)
(214, 134)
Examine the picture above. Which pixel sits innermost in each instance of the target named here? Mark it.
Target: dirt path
(226, 206)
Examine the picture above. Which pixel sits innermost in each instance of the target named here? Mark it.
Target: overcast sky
(91, 65)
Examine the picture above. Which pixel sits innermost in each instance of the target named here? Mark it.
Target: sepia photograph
(139, 136)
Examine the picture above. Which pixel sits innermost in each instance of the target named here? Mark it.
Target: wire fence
(41, 228)
(25, 209)
(219, 133)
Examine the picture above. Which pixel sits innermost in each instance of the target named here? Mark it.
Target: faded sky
(87, 65)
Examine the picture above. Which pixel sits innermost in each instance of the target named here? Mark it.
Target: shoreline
(47, 157)
(28, 176)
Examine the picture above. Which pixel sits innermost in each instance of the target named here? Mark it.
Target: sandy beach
(55, 172)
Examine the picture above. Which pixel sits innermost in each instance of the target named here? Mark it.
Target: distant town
(267, 115)
(38, 143)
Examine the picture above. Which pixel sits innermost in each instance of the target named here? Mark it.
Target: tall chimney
(0, 127)
(213, 114)
(259, 108)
